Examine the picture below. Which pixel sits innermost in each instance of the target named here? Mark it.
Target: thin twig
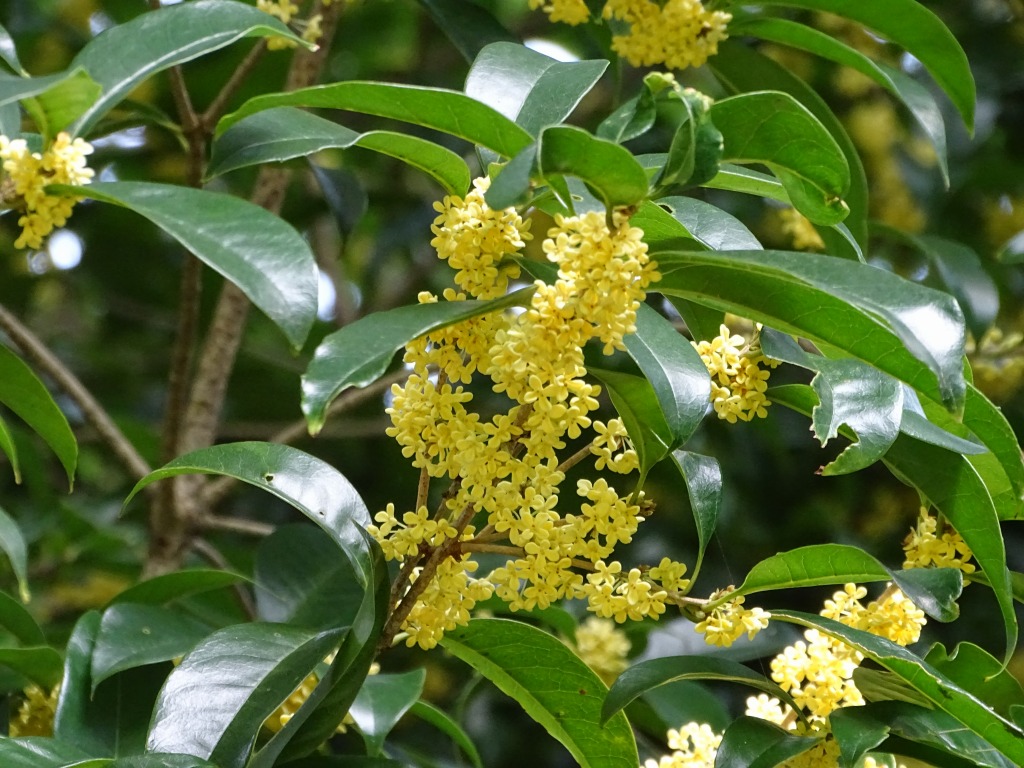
(42, 358)
(208, 120)
(212, 555)
(235, 525)
(575, 459)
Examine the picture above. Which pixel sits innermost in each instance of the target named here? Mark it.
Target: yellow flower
(924, 547)
(738, 382)
(35, 713)
(724, 624)
(568, 11)
(677, 33)
(797, 226)
(602, 647)
(694, 745)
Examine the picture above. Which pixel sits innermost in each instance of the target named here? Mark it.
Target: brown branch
(42, 358)
(208, 120)
(235, 525)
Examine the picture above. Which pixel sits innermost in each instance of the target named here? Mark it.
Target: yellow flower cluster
(285, 10)
(724, 624)
(603, 647)
(506, 468)
(738, 381)
(997, 361)
(568, 11)
(694, 745)
(26, 175)
(35, 714)
(799, 228)
(676, 33)
(924, 547)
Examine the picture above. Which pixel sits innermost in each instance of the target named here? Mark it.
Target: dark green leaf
(917, 426)
(933, 590)
(19, 622)
(637, 405)
(940, 690)
(360, 352)
(7, 446)
(215, 701)
(913, 95)
(883, 685)
(443, 110)
(444, 723)
(754, 743)
(856, 733)
(773, 128)
(634, 118)
(528, 87)
(703, 478)
(303, 580)
(645, 675)
(257, 251)
(15, 89)
(39, 752)
(552, 685)
(128, 54)
(708, 224)
(975, 670)
(989, 424)
(608, 169)
(133, 635)
(75, 721)
(810, 566)
(512, 184)
(675, 370)
(276, 135)
(160, 760)
(736, 178)
(173, 586)
(469, 26)
(13, 544)
(381, 702)
(24, 393)
(41, 664)
(917, 29)
(344, 194)
(839, 302)
(8, 51)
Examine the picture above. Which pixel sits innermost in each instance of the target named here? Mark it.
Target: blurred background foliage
(103, 296)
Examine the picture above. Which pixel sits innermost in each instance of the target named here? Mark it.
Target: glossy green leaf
(381, 702)
(469, 26)
(708, 224)
(679, 377)
(8, 51)
(773, 128)
(173, 586)
(750, 742)
(703, 478)
(303, 580)
(914, 96)
(645, 675)
(974, 669)
(662, 228)
(23, 392)
(916, 425)
(276, 135)
(883, 685)
(447, 725)
(128, 54)
(933, 590)
(511, 187)
(633, 119)
(256, 250)
(911, 332)
(940, 690)
(1012, 251)
(637, 404)
(736, 178)
(813, 565)
(856, 734)
(133, 635)
(608, 169)
(917, 29)
(13, 545)
(40, 664)
(528, 87)
(695, 151)
(552, 685)
(443, 110)
(40, 752)
(359, 353)
(19, 622)
(850, 393)
(59, 106)
(233, 680)
(15, 89)
(988, 423)
(160, 760)
(344, 194)
(7, 446)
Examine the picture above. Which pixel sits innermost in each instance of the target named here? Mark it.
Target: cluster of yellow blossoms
(797, 226)
(603, 647)
(285, 10)
(504, 471)
(26, 175)
(676, 33)
(35, 714)
(724, 624)
(924, 546)
(738, 380)
(695, 745)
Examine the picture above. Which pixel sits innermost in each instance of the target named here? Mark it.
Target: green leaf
(235, 678)
(810, 566)
(911, 332)
(301, 580)
(708, 224)
(736, 178)
(868, 402)
(637, 405)
(917, 29)
(344, 194)
(8, 51)
(974, 669)
(607, 168)
(13, 544)
(359, 353)
(257, 251)
(39, 752)
(695, 152)
(173, 586)
(135, 635)
(552, 685)
(444, 723)
(940, 690)
(60, 105)
(988, 423)
(528, 87)
(24, 393)
(914, 96)
(19, 622)
(381, 702)
(856, 734)
(160, 760)
(443, 110)
(933, 590)
(276, 135)
(128, 54)
(512, 184)
(15, 89)
(754, 743)
(679, 377)
(916, 425)
(7, 445)
(42, 664)
(773, 128)
(703, 478)
(645, 675)
(469, 26)
(631, 120)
